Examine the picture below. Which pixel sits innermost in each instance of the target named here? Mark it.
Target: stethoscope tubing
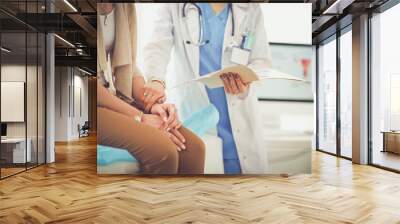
(200, 41)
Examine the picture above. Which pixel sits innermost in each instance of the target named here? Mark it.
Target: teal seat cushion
(107, 155)
(202, 121)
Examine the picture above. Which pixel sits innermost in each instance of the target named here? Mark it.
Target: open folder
(213, 80)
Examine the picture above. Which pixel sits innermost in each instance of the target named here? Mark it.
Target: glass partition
(22, 67)
(41, 107)
(32, 96)
(327, 96)
(346, 94)
(385, 89)
(13, 103)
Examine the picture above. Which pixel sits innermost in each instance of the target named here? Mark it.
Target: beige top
(123, 56)
(107, 22)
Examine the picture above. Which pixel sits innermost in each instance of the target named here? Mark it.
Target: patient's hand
(169, 115)
(157, 122)
(233, 84)
(154, 121)
(153, 93)
(177, 138)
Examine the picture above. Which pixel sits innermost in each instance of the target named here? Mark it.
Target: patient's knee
(163, 159)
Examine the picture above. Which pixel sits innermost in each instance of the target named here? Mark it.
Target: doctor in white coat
(191, 39)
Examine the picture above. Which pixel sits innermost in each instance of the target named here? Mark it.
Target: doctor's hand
(169, 115)
(233, 84)
(153, 93)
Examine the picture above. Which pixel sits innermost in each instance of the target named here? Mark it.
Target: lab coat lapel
(191, 29)
(239, 13)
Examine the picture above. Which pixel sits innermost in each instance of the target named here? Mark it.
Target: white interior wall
(34, 125)
(287, 24)
(14, 73)
(69, 84)
(80, 109)
(61, 104)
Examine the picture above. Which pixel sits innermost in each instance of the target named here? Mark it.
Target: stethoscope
(201, 41)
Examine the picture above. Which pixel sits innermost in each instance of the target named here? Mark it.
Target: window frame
(334, 37)
(381, 9)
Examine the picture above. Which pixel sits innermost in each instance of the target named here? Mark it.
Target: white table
(19, 154)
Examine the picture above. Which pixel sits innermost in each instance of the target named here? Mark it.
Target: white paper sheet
(213, 80)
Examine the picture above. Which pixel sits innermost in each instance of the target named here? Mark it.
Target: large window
(335, 73)
(327, 96)
(385, 89)
(346, 93)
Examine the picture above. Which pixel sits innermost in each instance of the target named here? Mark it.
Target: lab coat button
(238, 130)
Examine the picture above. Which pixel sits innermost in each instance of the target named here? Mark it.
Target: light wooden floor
(70, 191)
(10, 171)
(387, 159)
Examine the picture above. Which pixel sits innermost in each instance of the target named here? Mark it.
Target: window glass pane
(31, 97)
(394, 101)
(327, 97)
(22, 87)
(346, 94)
(386, 89)
(13, 86)
(41, 98)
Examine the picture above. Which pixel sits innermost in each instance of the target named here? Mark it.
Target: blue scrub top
(210, 61)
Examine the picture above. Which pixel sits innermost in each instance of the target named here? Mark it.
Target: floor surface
(70, 191)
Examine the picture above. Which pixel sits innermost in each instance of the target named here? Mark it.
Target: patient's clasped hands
(161, 115)
(165, 118)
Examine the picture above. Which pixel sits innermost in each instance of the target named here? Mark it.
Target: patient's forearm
(138, 90)
(107, 100)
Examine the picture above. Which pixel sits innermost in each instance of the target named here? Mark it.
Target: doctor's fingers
(240, 84)
(232, 81)
(227, 85)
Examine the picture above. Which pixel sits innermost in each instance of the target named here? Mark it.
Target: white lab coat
(168, 42)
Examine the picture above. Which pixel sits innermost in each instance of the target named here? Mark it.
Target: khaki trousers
(156, 153)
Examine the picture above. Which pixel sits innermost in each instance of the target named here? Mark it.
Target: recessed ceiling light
(70, 5)
(5, 50)
(84, 71)
(65, 41)
(337, 7)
